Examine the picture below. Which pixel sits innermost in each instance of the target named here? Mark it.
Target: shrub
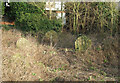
(33, 22)
(82, 43)
(17, 7)
(30, 17)
(2, 5)
(57, 24)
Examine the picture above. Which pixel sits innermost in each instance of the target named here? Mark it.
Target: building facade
(57, 9)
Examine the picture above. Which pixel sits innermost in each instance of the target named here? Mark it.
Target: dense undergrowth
(25, 59)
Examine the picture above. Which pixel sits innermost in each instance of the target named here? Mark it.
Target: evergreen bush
(31, 22)
(2, 5)
(17, 7)
(30, 17)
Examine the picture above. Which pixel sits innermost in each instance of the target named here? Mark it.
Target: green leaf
(33, 74)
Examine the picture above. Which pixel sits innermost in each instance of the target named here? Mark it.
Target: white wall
(56, 5)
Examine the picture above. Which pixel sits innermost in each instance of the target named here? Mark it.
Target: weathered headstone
(82, 43)
(51, 37)
(22, 43)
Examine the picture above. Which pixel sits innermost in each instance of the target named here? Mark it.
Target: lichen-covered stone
(51, 37)
(82, 43)
(22, 43)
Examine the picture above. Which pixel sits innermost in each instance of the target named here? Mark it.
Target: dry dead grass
(47, 63)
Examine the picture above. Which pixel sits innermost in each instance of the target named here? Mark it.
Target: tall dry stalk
(88, 16)
(74, 22)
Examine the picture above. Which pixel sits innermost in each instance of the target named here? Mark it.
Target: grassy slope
(51, 63)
